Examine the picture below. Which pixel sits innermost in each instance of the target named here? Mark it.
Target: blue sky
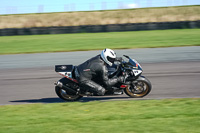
(38, 6)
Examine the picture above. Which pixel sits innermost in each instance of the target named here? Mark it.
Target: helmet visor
(110, 59)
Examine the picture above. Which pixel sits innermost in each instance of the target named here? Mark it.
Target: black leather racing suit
(93, 70)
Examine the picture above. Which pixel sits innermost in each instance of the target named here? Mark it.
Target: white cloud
(128, 6)
(132, 6)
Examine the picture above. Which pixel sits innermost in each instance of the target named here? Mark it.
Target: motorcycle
(135, 85)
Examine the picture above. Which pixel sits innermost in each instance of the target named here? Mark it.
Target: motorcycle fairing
(135, 64)
(136, 67)
(136, 72)
(66, 71)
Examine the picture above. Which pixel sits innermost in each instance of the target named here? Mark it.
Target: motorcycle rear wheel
(67, 96)
(140, 88)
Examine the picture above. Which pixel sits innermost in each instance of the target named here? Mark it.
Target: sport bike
(135, 85)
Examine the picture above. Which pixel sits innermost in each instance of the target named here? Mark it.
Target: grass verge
(138, 15)
(95, 41)
(141, 116)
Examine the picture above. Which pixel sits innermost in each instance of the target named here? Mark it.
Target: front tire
(139, 88)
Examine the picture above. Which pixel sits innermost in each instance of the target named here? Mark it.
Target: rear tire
(139, 88)
(67, 96)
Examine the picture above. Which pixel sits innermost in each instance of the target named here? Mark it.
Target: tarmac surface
(28, 78)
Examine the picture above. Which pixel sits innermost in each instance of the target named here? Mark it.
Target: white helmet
(109, 56)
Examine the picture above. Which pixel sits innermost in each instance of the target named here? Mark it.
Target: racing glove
(122, 79)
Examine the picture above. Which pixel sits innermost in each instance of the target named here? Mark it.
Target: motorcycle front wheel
(65, 95)
(139, 88)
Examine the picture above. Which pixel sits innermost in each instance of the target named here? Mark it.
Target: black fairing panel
(64, 68)
(65, 80)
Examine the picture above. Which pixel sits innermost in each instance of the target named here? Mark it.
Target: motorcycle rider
(96, 68)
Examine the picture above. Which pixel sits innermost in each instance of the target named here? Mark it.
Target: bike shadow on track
(58, 100)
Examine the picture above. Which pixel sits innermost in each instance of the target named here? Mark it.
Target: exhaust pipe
(60, 84)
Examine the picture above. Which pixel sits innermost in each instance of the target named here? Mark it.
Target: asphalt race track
(29, 78)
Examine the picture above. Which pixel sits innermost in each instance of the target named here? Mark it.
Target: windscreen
(135, 64)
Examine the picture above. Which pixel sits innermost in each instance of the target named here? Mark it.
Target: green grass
(94, 41)
(141, 116)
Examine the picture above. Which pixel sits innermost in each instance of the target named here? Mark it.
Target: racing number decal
(136, 72)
